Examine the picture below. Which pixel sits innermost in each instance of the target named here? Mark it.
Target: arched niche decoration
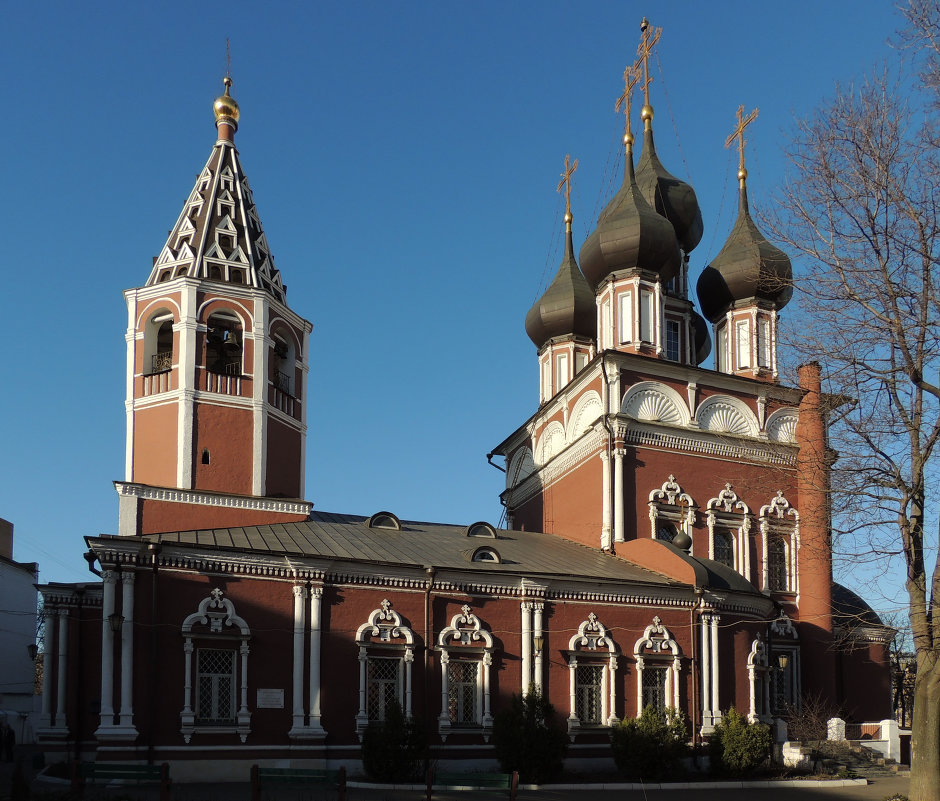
(657, 650)
(652, 402)
(220, 634)
(386, 654)
(670, 505)
(758, 686)
(585, 413)
(551, 442)
(724, 414)
(521, 466)
(592, 672)
(780, 543)
(466, 649)
(781, 426)
(727, 515)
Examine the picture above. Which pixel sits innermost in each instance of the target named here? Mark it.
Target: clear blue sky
(404, 158)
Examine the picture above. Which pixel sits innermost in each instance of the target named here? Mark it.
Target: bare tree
(861, 210)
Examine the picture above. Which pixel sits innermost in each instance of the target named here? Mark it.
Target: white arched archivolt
(669, 504)
(521, 466)
(652, 402)
(658, 663)
(726, 415)
(466, 658)
(551, 443)
(727, 516)
(386, 653)
(781, 426)
(585, 413)
(216, 625)
(780, 542)
(592, 671)
(759, 687)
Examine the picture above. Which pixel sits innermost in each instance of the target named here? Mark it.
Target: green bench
(473, 781)
(264, 777)
(104, 772)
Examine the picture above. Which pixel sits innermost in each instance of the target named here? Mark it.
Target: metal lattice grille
(462, 691)
(383, 685)
(724, 552)
(777, 565)
(588, 688)
(654, 687)
(215, 686)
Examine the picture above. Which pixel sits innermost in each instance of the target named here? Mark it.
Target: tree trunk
(925, 732)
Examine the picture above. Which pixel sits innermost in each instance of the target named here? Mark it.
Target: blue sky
(404, 159)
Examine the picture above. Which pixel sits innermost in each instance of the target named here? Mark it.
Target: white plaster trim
(206, 499)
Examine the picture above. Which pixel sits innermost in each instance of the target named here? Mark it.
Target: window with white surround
(626, 317)
(783, 664)
(671, 511)
(158, 343)
(658, 667)
(592, 672)
(672, 340)
(758, 684)
(386, 653)
(604, 333)
(561, 371)
(721, 351)
(729, 516)
(763, 343)
(780, 542)
(580, 361)
(466, 660)
(647, 317)
(224, 344)
(724, 547)
(215, 650)
(742, 344)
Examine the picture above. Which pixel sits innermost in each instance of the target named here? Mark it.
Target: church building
(668, 538)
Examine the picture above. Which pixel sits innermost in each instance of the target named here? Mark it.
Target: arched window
(728, 517)
(466, 658)
(671, 511)
(158, 343)
(224, 344)
(658, 664)
(777, 572)
(724, 548)
(592, 671)
(284, 364)
(783, 665)
(780, 541)
(386, 653)
(215, 650)
(757, 682)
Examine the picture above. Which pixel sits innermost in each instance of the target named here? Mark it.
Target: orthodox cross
(566, 183)
(738, 133)
(228, 59)
(631, 76)
(649, 40)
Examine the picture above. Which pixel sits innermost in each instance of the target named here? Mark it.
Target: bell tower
(216, 366)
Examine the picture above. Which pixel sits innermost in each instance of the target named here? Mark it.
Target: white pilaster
(62, 668)
(300, 596)
(187, 383)
(526, 678)
(605, 526)
(316, 596)
(127, 649)
(716, 708)
(537, 626)
(706, 660)
(618, 495)
(108, 579)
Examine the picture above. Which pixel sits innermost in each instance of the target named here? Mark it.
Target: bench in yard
(103, 772)
(264, 777)
(474, 781)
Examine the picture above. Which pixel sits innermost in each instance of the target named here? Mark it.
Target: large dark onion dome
(567, 307)
(630, 234)
(747, 268)
(703, 342)
(672, 198)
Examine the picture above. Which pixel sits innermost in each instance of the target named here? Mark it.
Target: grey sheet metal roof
(349, 538)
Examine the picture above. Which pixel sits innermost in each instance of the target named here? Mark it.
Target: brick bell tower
(216, 367)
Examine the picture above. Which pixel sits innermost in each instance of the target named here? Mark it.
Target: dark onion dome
(849, 610)
(703, 342)
(672, 198)
(629, 235)
(567, 307)
(747, 268)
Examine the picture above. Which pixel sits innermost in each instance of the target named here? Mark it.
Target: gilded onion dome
(672, 198)
(567, 306)
(630, 235)
(225, 107)
(748, 268)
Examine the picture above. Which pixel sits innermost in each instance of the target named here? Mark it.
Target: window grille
(672, 340)
(589, 682)
(666, 531)
(777, 565)
(215, 687)
(654, 686)
(383, 686)
(462, 692)
(724, 552)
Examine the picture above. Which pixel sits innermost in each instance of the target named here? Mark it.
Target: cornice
(171, 495)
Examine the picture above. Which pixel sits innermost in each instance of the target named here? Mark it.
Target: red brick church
(667, 544)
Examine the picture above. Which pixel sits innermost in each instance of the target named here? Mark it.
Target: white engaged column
(127, 649)
(108, 578)
(618, 494)
(62, 668)
(715, 707)
(706, 655)
(605, 525)
(537, 626)
(526, 646)
(297, 687)
(316, 595)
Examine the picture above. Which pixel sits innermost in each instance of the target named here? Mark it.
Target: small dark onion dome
(703, 342)
(630, 234)
(747, 268)
(672, 198)
(567, 307)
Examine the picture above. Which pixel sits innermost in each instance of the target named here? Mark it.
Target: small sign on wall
(270, 699)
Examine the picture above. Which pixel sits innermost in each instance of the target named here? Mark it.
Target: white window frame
(669, 503)
(592, 644)
(626, 317)
(658, 647)
(215, 624)
(764, 344)
(466, 639)
(779, 520)
(561, 371)
(384, 635)
(784, 638)
(727, 511)
(721, 348)
(742, 344)
(758, 683)
(647, 316)
(668, 326)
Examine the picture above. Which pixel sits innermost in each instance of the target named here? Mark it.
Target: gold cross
(566, 182)
(650, 38)
(228, 59)
(631, 75)
(738, 132)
